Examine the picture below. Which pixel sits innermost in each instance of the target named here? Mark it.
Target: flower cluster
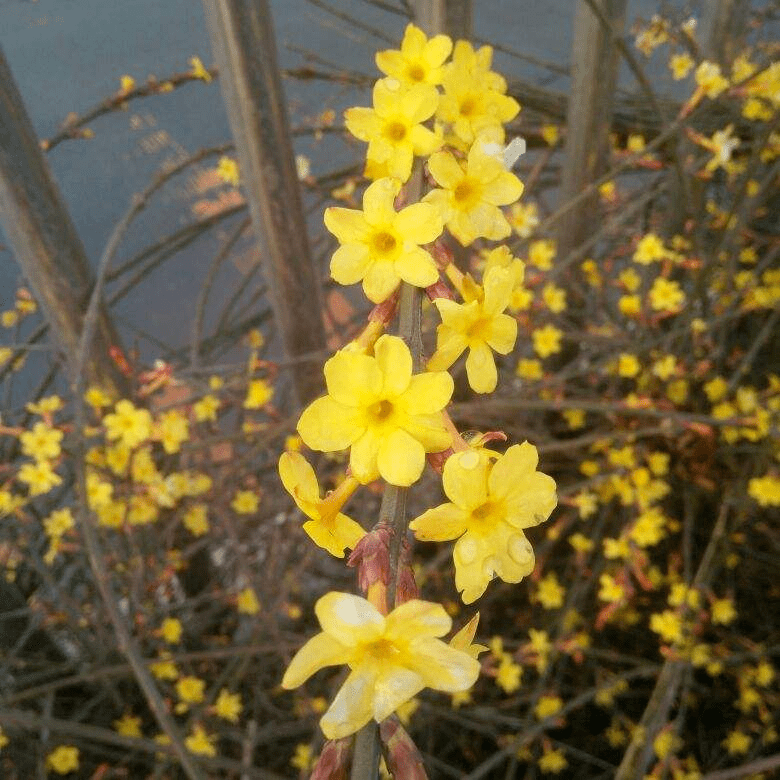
(445, 120)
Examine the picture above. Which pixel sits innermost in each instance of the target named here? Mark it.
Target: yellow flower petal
(465, 479)
(348, 618)
(329, 426)
(401, 458)
(318, 652)
(440, 524)
(353, 706)
(418, 617)
(394, 361)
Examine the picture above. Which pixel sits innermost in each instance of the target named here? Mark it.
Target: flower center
(464, 192)
(415, 73)
(384, 243)
(486, 514)
(381, 410)
(478, 330)
(468, 106)
(395, 131)
(382, 650)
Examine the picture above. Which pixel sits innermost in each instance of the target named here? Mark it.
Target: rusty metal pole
(45, 243)
(244, 46)
(589, 116)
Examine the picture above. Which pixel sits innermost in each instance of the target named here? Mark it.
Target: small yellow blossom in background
(554, 297)
(722, 143)
(128, 725)
(628, 365)
(508, 674)
(245, 502)
(765, 490)
(668, 625)
(164, 669)
(716, 388)
(550, 134)
(63, 759)
(190, 689)
(547, 340)
(228, 705)
(3, 739)
(581, 543)
(59, 522)
(737, 743)
(200, 742)
(381, 246)
(45, 406)
(302, 758)
(392, 658)
(479, 325)
(650, 249)
(470, 195)
(591, 270)
(610, 591)
(547, 706)
(172, 429)
(128, 424)
(227, 170)
(550, 592)
(39, 477)
(586, 504)
(709, 79)
(677, 391)
(97, 398)
(126, 83)
(393, 128)
(529, 369)
(170, 630)
(665, 367)
(491, 504)
(524, 218)
(327, 527)
(41, 442)
(630, 305)
(206, 408)
(723, 611)
(666, 742)
(680, 65)
(575, 418)
(552, 762)
(195, 519)
(653, 35)
(764, 674)
(541, 253)
(247, 602)
(198, 70)
(630, 279)
(388, 418)
(419, 60)
(258, 394)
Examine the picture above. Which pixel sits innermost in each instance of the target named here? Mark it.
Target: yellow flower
(381, 246)
(227, 170)
(128, 725)
(39, 477)
(765, 490)
(552, 762)
(302, 758)
(63, 759)
(206, 408)
(546, 706)
(59, 522)
(630, 305)
(247, 602)
(374, 406)
(550, 134)
(190, 689)
(547, 340)
(46, 406)
(97, 397)
(722, 143)
(200, 742)
(550, 592)
(245, 502)
(529, 369)
(41, 442)
(172, 429)
(479, 325)
(649, 249)
(490, 506)
(126, 83)
(610, 591)
(508, 674)
(524, 217)
(170, 630)
(710, 80)
(680, 65)
(665, 367)
(127, 423)
(666, 295)
(164, 669)
(328, 527)
(668, 625)
(198, 69)
(3, 739)
(258, 394)
(470, 196)
(228, 705)
(541, 253)
(419, 61)
(474, 99)
(196, 520)
(393, 127)
(723, 612)
(392, 658)
(737, 743)
(628, 365)
(554, 297)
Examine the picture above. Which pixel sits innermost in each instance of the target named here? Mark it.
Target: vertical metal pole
(242, 39)
(45, 242)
